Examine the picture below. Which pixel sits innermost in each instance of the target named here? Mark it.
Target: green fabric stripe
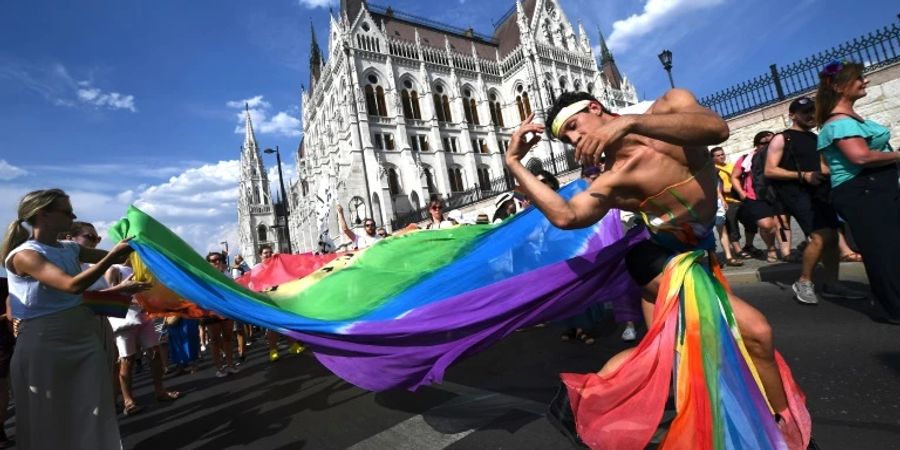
(708, 309)
(686, 205)
(381, 272)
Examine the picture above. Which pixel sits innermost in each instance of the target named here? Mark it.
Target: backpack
(764, 189)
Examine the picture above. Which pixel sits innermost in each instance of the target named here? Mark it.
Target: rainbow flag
(397, 314)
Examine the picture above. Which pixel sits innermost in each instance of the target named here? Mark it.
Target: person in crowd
(800, 179)
(718, 155)
(136, 335)
(382, 232)
(732, 207)
(359, 241)
(184, 343)
(506, 206)
(7, 346)
(437, 219)
(864, 183)
(239, 267)
(265, 255)
(755, 210)
(658, 165)
(220, 330)
(243, 332)
(59, 373)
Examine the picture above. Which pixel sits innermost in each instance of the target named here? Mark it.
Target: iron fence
(558, 164)
(876, 49)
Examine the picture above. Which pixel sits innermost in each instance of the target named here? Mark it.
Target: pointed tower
(256, 214)
(608, 68)
(315, 59)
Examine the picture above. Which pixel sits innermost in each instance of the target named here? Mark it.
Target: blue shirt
(29, 298)
(875, 135)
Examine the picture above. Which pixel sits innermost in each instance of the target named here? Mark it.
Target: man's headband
(564, 115)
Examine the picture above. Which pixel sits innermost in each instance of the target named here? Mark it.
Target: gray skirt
(61, 380)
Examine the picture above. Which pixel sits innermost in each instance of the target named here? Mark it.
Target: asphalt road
(848, 365)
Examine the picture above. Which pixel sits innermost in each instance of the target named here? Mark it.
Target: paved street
(848, 365)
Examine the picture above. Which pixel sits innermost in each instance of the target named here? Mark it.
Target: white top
(29, 298)
(135, 315)
(98, 285)
(365, 241)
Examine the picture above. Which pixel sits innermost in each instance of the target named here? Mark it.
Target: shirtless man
(645, 155)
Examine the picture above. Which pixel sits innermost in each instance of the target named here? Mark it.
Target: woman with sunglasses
(436, 217)
(60, 376)
(864, 183)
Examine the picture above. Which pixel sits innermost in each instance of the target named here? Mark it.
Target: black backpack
(763, 186)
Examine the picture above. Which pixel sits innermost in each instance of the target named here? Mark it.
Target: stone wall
(881, 105)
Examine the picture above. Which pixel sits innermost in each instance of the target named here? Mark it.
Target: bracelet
(800, 176)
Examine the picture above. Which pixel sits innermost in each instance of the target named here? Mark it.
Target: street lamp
(666, 59)
(284, 198)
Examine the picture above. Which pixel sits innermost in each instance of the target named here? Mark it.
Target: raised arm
(857, 152)
(342, 222)
(775, 172)
(583, 210)
(677, 118)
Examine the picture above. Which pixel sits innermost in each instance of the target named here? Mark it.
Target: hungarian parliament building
(401, 110)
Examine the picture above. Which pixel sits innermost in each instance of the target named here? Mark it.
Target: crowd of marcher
(67, 363)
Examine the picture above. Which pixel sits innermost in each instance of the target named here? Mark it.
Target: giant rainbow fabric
(397, 314)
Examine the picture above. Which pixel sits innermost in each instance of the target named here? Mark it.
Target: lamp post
(666, 59)
(284, 198)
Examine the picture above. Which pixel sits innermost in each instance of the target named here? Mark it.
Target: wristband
(800, 176)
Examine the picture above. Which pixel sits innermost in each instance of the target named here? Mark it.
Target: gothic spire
(315, 58)
(249, 136)
(608, 64)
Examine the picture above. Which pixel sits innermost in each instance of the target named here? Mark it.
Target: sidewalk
(755, 271)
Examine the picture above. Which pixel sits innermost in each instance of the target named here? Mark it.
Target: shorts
(129, 339)
(809, 208)
(646, 260)
(754, 210)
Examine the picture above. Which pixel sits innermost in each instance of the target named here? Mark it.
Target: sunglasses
(436, 208)
(91, 237)
(214, 260)
(369, 225)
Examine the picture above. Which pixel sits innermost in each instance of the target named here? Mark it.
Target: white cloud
(282, 123)
(316, 3)
(59, 87)
(655, 14)
(112, 100)
(10, 172)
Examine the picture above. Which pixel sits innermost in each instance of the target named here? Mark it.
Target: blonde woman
(60, 376)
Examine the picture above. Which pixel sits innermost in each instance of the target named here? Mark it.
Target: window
(441, 105)
(261, 233)
(393, 181)
(522, 103)
(383, 141)
(479, 146)
(484, 178)
(429, 181)
(470, 107)
(456, 178)
(375, 104)
(418, 142)
(449, 144)
(410, 101)
(496, 111)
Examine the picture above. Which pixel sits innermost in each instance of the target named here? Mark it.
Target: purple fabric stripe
(416, 349)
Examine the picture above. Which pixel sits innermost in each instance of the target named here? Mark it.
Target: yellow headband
(565, 113)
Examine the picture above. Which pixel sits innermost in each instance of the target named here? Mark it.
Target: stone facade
(882, 104)
(403, 110)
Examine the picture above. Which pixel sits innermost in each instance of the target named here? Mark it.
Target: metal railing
(877, 49)
(556, 165)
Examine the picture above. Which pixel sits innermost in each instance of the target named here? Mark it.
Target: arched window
(470, 107)
(496, 111)
(563, 84)
(429, 181)
(484, 178)
(414, 200)
(522, 103)
(393, 181)
(410, 101)
(590, 88)
(261, 233)
(305, 186)
(256, 198)
(577, 85)
(456, 178)
(441, 104)
(375, 104)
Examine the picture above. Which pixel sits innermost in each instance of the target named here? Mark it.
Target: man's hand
(813, 178)
(521, 143)
(589, 148)
(340, 209)
(120, 252)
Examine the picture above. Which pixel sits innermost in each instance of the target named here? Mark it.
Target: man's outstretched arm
(677, 118)
(581, 211)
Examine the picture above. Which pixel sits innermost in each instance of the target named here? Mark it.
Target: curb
(785, 272)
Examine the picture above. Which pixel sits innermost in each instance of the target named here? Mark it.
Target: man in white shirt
(359, 241)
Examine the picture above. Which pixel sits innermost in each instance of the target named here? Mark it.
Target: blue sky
(121, 102)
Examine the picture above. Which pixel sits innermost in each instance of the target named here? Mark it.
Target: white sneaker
(629, 334)
(232, 369)
(202, 348)
(222, 373)
(805, 292)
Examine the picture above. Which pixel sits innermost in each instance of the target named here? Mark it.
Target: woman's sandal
(852, 257)
(585, 338)
(132, 409)
(771, 256)
(169, 396)
(734, 262)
